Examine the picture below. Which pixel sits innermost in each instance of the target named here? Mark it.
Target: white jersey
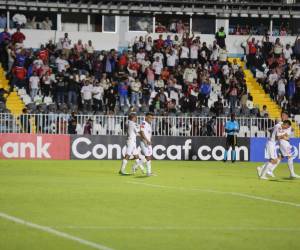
(277, 131)
(147, 129)
(284, 145)
(132, 131)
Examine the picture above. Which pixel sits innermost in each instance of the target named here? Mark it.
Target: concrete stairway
(260, 97)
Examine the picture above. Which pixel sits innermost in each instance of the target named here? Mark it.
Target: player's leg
(129, 150)
(291, 168)
(267, 167)
(272, 156)
(272, 169)
(123, 165)
(286, 150)
(148, 156)
(138, 164)
(227, 146)
(233, 146)
(147, 152)
(148, 166)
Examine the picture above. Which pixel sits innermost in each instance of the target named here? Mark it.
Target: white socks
(138, 164)
(274, 166)
(123, 166)
(148, 165)
(266, 168)
(291, 166)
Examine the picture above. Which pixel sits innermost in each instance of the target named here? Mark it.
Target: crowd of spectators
(260, 30)
(172, 75)
(167, 75)
(29, 22)
(277, 68)
(174, 26)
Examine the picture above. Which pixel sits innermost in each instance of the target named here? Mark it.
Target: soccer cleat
(264, 178)
(295, 176)
(151, 174)
(271, 174)
(258, 169)
(121, 173)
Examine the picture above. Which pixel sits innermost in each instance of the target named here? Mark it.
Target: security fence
(116, 125)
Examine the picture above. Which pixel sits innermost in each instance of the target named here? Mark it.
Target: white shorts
(271, 151)
(131, 149)
(146, 149)
(285, 148)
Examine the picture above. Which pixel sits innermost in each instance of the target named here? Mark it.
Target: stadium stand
(169, 74)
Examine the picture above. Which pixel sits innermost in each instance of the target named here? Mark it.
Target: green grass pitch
(188, 205)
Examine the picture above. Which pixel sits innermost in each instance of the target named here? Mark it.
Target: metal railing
(115, 125)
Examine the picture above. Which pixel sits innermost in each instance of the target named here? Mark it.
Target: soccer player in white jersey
(146, 143)
(285, 151)
(279, 132)
(131, 149)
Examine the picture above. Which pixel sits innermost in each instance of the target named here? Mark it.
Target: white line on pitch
(53, 231)
(166, 228)
(253, 197)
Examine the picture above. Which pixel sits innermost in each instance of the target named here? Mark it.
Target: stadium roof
(220, 8)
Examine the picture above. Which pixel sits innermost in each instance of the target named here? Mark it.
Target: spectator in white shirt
(171, 60)
(89, 47)
(135, 86)
(157, 66)
(287, 52)
(140, 56)
(47, 24)
(159, 84)
(160, 56)
(184, 53)
(281, 89)
(34, 85)
(272, 80)
(86, 95)
(98, 93)
(194, 52)
(189, 74)
(223, 54)
(66, 45)
(62, 64)
(215, 52)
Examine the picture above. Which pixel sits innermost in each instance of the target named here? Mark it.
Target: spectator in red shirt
(160, 42)
(18, 36)
(133, 67)
(43, 54)
(123, 60)
(19, 76)
(252, 51)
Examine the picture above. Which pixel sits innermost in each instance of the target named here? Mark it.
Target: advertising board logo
(30, 146)
(178, 149)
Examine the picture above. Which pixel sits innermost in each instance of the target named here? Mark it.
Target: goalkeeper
(231, 128)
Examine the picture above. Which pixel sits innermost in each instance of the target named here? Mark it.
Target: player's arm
(143, 137)
(282, 136)
(142, 134)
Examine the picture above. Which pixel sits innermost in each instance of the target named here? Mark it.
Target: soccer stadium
(149, 125)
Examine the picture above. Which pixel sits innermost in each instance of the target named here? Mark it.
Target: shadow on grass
(141, 176)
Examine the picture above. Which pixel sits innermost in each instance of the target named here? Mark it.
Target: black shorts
(231, 140)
